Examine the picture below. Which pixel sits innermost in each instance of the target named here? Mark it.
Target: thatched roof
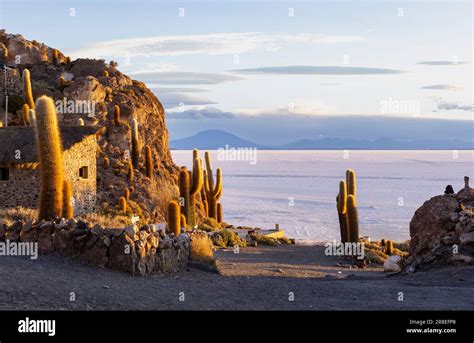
(22, 138)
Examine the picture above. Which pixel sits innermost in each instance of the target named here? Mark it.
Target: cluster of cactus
(190, 184)
(48, 147)
(212, 191)
(347, 208)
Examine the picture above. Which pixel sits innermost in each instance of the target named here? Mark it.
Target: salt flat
(297, 189)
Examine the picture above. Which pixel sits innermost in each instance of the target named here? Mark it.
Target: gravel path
(262, 278)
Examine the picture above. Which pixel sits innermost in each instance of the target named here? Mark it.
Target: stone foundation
(137, 251)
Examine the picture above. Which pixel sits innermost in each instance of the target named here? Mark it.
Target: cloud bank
(318, 70)
(212, 44)
(184, 78)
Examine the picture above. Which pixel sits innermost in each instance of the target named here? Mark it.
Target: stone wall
(84, 191)
(141, 251)
(11, 79)
(22, 188)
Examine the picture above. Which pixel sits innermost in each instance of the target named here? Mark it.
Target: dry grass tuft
(10, 215)
(202, 248)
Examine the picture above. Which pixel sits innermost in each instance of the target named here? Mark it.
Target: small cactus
(68, 210)
(122, 205)
(32, 117)
(80, 122)
(55, 57)
(135, 144)
(130, 171)
(106, 162)
(116, 115)
(148, 162)
(174, 218)
(28, 94)
(26, 114)
(389, 247)
(105, 73)
(183, 221)
(48, 147)
(126, 194)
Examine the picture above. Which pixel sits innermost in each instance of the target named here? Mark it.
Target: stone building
(19, 166)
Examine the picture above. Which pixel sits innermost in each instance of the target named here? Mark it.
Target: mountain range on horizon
(215, 139)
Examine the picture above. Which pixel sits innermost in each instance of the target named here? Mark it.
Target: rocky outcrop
(104, 85)
(442, 231)
(137, 251)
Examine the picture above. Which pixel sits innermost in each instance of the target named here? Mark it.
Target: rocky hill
(105, 86)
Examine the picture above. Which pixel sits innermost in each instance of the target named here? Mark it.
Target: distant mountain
(214, 139)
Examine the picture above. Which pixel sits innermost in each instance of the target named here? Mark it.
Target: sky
(274, 72)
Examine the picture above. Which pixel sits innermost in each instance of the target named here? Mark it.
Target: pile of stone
(139, 251)
(442, 231)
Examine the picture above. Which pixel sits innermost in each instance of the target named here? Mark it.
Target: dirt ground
(263, 278)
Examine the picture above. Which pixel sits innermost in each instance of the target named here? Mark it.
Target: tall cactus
(48, 148)
(174, 218)
(26, 114)
(68, 210)
(27, 92)
(351, 183)
(213, 190)
(347, 208)
(184, 190)
(353, 219)
(148, 162)
(342, 212)
(135, 144)
(219, 213)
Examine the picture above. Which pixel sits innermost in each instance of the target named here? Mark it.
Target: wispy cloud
(204, 113)
(184, 78)
(213, 44)
(160, 90)
(318, 70)
(442, 87)
(174, 100)
(449, 106)
(442, 63)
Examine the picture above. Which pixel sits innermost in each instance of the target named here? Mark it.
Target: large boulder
(442, 231)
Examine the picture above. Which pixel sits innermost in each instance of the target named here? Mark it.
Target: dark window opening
(4, 174)
(84, 172)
